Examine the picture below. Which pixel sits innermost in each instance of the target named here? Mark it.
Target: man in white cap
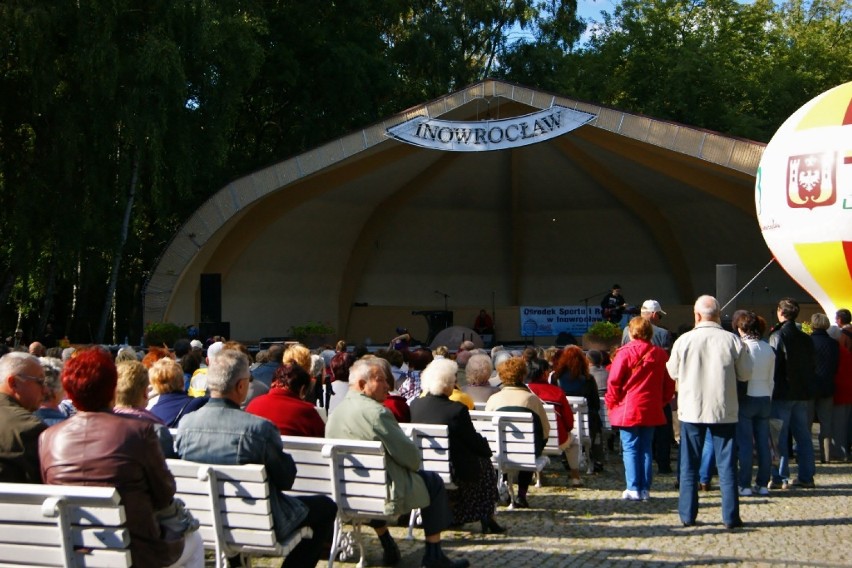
(664, 434)
(653, 312)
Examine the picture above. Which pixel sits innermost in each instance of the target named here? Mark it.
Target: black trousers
(321, 514)
(663, 436)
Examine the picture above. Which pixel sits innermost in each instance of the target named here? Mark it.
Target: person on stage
(613, 305)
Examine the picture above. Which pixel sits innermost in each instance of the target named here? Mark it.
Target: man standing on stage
(613, 305)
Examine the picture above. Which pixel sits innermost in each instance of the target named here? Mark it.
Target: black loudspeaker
(211, 297)
(208, 329)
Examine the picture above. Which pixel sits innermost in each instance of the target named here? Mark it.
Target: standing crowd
(88, 417)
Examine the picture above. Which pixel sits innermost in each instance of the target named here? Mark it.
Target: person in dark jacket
(22, 388)
(791, 395)
(470, 455)
(826, 355)
(98, 447)
(173, 403)
(222, 433)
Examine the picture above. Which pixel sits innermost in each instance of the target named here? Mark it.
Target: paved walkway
(592, 526)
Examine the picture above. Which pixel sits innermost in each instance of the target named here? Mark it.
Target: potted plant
(602, 335)
(163, 333)
(313, 334)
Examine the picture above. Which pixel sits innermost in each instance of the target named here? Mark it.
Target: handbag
(176, 521)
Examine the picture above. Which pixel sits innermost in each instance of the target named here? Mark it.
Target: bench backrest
(581, 417)
(434, 444)
(351, 472)
(42, 525)
(551, 448)
(511, 436)
(231, 499)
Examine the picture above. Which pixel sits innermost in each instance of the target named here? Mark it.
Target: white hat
(196, 344)
(652, 306)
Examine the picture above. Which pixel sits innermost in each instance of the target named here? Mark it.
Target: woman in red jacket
(639, 386)
(285, 405)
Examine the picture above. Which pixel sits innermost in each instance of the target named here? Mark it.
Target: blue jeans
(636, 442)
(753, 431)
(794, 417)
(692, 438)
(708, 460)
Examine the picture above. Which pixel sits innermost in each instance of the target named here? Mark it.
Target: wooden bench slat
(29, 555)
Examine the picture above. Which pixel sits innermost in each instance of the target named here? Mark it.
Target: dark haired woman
(285, 405)
(755, 406)
(97, 447)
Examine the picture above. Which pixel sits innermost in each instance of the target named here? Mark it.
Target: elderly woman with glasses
(98, 447)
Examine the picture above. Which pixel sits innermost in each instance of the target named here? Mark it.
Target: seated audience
(571, 371)
(130, 399)
(552, 394)
(361, 416)
(477, 373)
(285, 404)
(470, 454)
(98, 447)
(417, 361)
(22, 389)
(338, 387)
(222, 433)
(51, 411)
(173, 403)
(516, 397)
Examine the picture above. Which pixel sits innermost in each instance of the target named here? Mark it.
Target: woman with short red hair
(98, 447)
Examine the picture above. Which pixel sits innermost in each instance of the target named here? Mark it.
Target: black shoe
(598, 467)
(738, 524)
(391, 555)
(521, 503)
(444, 561)
(664, 470)
(491, 527)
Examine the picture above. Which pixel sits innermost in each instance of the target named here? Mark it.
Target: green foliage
(163, 333)
(189, 95)
(302, 332)
(604, 330)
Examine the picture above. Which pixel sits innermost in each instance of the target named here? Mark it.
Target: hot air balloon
(803, 196)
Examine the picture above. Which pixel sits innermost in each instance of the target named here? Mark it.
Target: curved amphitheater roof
(366, 220)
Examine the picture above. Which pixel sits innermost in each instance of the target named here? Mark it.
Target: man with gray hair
(707, 362)
(362, 416)
(221, 433)
(21, 393)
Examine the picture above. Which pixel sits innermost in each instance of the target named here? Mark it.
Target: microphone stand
(586, 303)
(446, 296)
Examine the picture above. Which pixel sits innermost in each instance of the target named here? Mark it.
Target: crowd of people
(86, 416)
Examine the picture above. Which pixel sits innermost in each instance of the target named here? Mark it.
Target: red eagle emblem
(811, 180)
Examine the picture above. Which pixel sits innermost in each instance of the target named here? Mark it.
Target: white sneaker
(745, 492)
(630, 495)
(644, 494)
(760, 490)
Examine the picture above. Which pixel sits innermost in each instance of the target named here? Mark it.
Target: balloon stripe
(832, 108)
(829, 264)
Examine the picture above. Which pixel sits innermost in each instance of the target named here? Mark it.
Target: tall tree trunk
(48, 298)
(119, 251)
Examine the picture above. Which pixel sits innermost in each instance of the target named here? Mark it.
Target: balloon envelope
(803, 196)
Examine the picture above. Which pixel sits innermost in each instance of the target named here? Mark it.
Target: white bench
(351, 472)
(232, 505)
(551, 448)
(511, 436)
(606, 430)
(62, 525)
(434, 443)
(581, 429)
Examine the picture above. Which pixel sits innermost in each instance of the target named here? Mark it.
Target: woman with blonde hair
(639, 387)
(166, 377)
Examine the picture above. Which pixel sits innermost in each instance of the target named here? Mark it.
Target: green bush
(604, 330)
(302, 332)
(163, 333)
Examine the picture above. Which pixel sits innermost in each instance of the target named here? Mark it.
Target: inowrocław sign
(481, 136)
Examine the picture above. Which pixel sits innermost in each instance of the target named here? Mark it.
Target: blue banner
(553, 320)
